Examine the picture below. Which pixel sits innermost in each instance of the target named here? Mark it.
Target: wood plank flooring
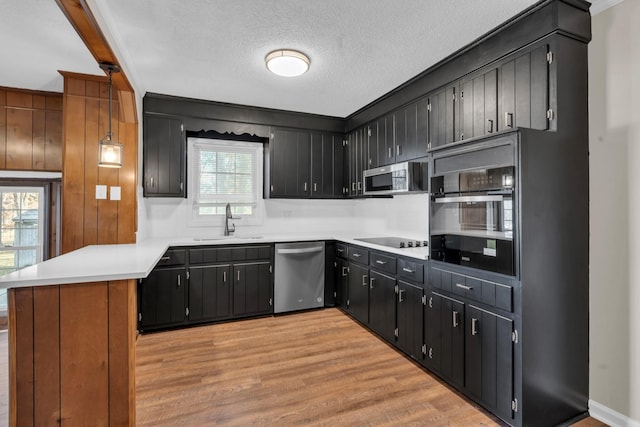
(312, 368)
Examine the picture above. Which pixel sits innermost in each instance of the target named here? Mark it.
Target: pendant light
(109, 151)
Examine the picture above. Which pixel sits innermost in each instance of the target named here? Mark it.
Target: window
(222, 172)
(21, 230)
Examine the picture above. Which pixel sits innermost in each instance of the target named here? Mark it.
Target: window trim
(217, 220)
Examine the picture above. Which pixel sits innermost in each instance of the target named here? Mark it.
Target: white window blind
(224, 172)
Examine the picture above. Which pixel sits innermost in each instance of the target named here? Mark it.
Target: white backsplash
(405, 215)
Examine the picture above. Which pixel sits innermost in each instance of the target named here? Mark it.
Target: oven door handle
(470, 199)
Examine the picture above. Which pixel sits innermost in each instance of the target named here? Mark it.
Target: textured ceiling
(215, 49)
(37, 41)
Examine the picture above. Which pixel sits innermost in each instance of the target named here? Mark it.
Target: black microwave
(400, 178)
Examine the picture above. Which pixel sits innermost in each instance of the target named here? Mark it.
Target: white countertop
(134, 261)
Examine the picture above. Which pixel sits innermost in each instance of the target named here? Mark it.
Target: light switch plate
(115, 193)
(101, 192)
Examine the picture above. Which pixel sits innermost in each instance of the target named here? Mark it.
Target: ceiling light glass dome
(287, 63)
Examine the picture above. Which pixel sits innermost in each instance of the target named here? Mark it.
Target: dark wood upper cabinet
(442, 117)
(478, 105)
(164, 156)
(524, 91)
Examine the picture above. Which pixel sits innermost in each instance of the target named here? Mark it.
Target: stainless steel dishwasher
(299, 276)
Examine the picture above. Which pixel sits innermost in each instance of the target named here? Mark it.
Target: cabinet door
(209, 293)
(290, 163)
(382, 305)
(422, 128)
(402, 142)
(433, 332)
(358, 303)
(410, 320)
(353, 159)
(389, 140)
(372, 145)
(442, 117)
(252, 292)
(489, 360)
(363, 158)
(478, 105)
(342, 282)
(452, 319)
(303, 162)
(322, 164)
(339, 169)
(163, 298)
(524, 91)
(164, 158)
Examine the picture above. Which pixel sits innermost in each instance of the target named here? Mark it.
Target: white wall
(402, 215)
(614, 145)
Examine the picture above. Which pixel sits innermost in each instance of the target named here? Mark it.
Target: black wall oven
(472, 218)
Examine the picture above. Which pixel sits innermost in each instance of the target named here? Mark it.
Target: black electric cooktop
(395, 242)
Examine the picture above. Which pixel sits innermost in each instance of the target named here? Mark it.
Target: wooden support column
(72, 354)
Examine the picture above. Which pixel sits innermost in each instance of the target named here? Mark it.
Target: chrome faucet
(228, 216)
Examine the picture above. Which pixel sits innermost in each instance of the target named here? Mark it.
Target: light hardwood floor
(311, 368)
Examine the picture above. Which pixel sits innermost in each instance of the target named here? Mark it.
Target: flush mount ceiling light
(109, 151)
(287, 63)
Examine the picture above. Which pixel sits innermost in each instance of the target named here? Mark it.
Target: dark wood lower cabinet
(209, 292)
(444, 337)
(162, 296)
(358, 302)
(489, 360)
(207, 284)
(382, 305)
(342, 282)
(252, 293)
(410, 313)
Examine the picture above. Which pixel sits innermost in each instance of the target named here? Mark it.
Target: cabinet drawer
(490, 293)
(411, 270)
(359, 255)
(382, 262)
(219, 254)
(342, 250)
(172, 257)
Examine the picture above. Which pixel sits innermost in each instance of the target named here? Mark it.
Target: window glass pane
(244, 184)
(207, 161)
(244, 163)
(226, 162)
(7, 261)
(208, 184)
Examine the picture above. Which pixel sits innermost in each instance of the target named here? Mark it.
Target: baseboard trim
(609, 416)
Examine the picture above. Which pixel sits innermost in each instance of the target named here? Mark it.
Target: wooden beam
(85, 24)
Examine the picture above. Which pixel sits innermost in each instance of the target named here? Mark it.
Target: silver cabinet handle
(430, 302)
(315, 186)
(305, 186)
(344, 271)
(371, 282)
(152, 181)
(238, 275)
(364, 280)
(400, 299)
(340, 250)
(381, 262)
(407, 270)
(461, 286)
(431, 353)
(389, 152)
(455, 319)
(490, 130)
(179, 280)
(398, 150)
(357, 255)
(474, 326)
(353, 186)
(224, 276)
(359, 185)
(508, 120)
(165, 258)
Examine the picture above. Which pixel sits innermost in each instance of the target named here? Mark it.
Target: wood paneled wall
(85, 220)
(72, 354)
(30, 130)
